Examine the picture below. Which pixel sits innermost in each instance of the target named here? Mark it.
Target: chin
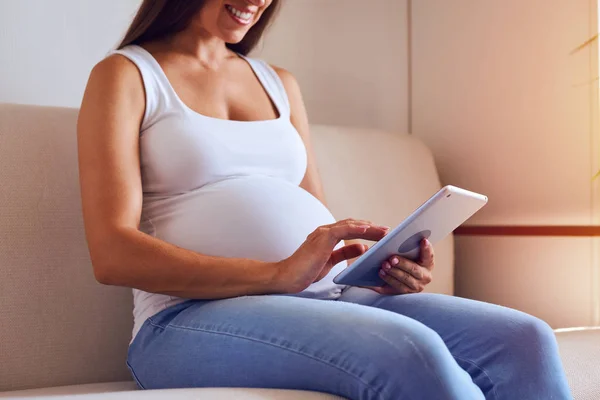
(233, 38)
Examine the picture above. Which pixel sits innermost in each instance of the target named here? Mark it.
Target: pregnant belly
(260, 218)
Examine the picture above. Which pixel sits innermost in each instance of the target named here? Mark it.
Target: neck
(209, 50)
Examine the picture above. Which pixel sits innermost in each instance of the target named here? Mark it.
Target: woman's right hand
(316, 256)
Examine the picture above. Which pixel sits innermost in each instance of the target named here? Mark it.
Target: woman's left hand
(403, 276)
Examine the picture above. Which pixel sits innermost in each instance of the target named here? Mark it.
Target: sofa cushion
(580, 353)
(127, 390)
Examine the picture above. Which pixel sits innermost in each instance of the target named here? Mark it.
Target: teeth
(239, 14)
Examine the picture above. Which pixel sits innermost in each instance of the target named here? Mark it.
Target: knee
(416, 345)
(420, 364)
(529, 332)
(538, 332)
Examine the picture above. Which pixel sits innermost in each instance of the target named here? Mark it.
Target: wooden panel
(549, 277)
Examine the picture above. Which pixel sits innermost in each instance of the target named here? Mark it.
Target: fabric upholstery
(58, 326)
(124, 391)
(74, 390)
(580, 352)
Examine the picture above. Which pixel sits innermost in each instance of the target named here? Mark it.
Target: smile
(241, 17)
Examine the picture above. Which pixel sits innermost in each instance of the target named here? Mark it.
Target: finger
(349, 221)
(352, 221)
(376, 233)
(355, 221)
(397, 286)
(402, 276)
(414, 269)
(351, 231)
(427, 254)
(347, 253)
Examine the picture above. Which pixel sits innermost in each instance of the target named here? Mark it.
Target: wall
(509, 112)
(351, 61)
(495, 93)
(350, 58)
(47, 48)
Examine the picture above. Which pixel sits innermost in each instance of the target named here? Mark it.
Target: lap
(264, 316)
(275, 341)
(361, 346)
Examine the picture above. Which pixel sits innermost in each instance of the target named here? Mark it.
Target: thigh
(288, 342)
(491, 342)
(466, 326)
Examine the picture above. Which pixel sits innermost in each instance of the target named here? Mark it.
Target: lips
(242, 17)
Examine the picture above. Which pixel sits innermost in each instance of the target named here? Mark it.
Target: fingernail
(394, 261)
(382, 272)
(387, 266)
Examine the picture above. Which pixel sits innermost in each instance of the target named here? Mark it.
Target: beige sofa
(63, 334)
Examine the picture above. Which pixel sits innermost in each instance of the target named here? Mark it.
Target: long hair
(156, 19)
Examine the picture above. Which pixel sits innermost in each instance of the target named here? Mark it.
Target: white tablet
(434, 220)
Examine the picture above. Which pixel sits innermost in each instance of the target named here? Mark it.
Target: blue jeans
(362, 346)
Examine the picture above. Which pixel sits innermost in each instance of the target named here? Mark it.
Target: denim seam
(154, 323)
(137, 380)
(482, 370)
(273, 345)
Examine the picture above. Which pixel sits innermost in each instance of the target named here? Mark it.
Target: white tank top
(220, 187)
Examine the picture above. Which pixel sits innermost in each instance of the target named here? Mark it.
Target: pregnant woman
(200, 192)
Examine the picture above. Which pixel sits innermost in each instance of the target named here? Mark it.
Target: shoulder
(287, 78)
(290, 84)
(284, 74)
(115, 69)
(116, 79)
(297, 107)
(114, 86)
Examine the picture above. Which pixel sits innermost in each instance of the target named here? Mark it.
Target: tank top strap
(157, 92)
(160, 95)
(272, 84)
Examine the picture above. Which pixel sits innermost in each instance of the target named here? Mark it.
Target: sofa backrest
(57, 325)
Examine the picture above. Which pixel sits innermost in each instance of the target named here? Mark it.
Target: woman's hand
(316, 256)
(403, 276)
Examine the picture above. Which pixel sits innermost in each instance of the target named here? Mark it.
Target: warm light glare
(577, 329)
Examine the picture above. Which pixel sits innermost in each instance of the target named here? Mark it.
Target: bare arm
(312, 181)
(108, 131)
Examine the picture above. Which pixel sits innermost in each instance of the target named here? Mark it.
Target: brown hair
(156, 19)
